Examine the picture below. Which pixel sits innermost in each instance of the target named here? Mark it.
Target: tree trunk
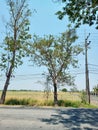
(8, 77)
(55, 94)
(2, 100)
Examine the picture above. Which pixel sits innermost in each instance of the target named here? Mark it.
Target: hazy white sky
(44, 21)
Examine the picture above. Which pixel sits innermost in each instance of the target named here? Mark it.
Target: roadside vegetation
(38, 98)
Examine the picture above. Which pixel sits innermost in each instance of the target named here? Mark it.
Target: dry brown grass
(40, 99)
(41, 96)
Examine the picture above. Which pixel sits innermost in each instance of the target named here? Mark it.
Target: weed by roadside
(64, 103)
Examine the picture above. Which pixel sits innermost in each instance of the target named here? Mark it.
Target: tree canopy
(80, 12)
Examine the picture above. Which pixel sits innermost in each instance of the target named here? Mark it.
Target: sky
(44, 22)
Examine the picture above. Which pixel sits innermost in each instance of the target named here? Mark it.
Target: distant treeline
(25, 90)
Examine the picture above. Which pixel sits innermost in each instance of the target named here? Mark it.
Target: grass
(40, 96)
(32, 98)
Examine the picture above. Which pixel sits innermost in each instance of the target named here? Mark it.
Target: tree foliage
(17, 34)
(80, 12)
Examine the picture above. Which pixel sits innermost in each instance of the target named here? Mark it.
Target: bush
(64, 90)
(72, 104)
(24, 102)
(68, 103)
(20, 102)
(12, 102)
(61, 102)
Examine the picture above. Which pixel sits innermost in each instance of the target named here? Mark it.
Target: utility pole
(86, 70)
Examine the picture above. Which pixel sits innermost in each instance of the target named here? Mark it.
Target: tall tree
(80, 12)
(14, 42)
(56, 54)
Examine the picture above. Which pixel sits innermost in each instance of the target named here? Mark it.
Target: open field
(40, 98)
(38, 95)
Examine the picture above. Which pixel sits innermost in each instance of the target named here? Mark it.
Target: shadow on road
(75, 119)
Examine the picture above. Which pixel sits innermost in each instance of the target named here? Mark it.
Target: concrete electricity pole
(86, 70)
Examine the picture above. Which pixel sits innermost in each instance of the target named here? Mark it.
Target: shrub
(64, 103)
(64, 90)
(12, 102)
(83, 97)
(21, 102)
(61, 102)
(67, 103)
(24, 102)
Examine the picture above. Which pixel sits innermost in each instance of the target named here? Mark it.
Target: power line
(93, 73)
(93, 65)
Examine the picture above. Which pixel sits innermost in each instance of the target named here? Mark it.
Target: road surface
(32, 118)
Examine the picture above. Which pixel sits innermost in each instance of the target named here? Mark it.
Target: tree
(57, 54)
(80, 12)
(64, 90)
(15, 41)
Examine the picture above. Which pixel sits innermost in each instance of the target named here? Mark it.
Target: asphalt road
(30, 118)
